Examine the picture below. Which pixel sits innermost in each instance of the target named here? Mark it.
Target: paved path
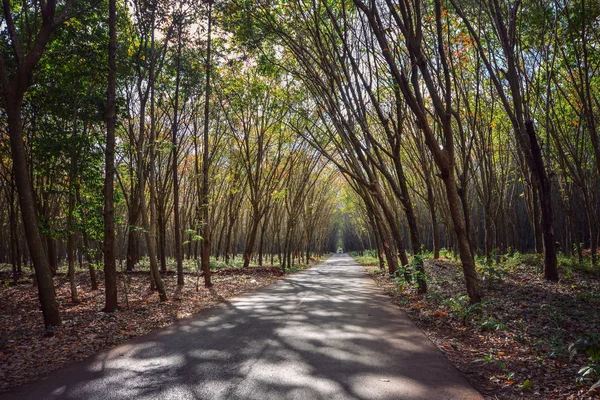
(325, 333)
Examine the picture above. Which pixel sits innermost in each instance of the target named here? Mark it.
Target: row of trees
(181, 147)
(478, 119)
(237, 127)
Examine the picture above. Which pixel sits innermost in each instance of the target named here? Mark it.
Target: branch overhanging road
(325, 333)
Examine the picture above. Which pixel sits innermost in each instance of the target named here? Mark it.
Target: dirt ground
(516, 344)
(28, 352)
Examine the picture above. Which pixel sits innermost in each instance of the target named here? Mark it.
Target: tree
(110, 266)
(16, 70)
(206, 229)
(513, 100)
(178, 248)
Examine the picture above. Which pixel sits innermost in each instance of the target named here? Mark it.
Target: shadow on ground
(324, 333)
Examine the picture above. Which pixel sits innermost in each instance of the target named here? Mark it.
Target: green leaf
(527, 385)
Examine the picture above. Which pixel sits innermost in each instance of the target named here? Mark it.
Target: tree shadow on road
(321, 334)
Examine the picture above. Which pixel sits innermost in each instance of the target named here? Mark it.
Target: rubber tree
(110, 265)
(17, 65)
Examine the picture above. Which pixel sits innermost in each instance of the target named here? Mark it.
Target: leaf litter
(515, 345)
(28, 352)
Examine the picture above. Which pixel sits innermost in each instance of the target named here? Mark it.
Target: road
(324, 333)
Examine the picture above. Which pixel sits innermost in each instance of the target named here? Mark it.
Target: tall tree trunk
(110, 265)
(228, 240)
(177, 233)
(249, 247)
(415, 239)
(91, 268)
(464, 244)
(15, 257)
(51, 253)
(434, 222)
(133, 236)
(86, 247)
(538, 234)
(545, 194)
(206, 231)
(394, 230)
(516, 108)
(150, 226)
(14, 86)
(161, 238)
(592, 228)
(71, 227)
(41, 265)
(261, 246)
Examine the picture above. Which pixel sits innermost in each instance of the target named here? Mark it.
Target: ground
(27, 351)
(516, 344)
(325, 333)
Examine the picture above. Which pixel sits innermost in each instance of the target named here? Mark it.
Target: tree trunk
(396, 235)
(110, 264)
(545, 194)
(86, 247)
(206, 231)
(51, 252)
(162, 239)
(378, 242)
(91, 269)
(538, 234)
(43, 275)
(15, 257)
(415, 238)
(261, 246)
(249, 248)
(133, 237)
(464, 245)
(149, 227)
(178, 249)
(228, 241)
(434, 222)
(71, 227)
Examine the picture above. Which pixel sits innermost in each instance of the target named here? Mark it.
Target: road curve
(325, 333)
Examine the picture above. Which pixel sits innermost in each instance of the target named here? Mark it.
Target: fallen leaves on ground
(515, 345)
(27, 351)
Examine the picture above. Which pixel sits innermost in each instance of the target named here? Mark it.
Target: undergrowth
(528, 337)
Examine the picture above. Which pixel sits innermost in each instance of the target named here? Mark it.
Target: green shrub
(446, 253)
(492, 325)
(528, 260)
(491, 272)
(571, 263)
(461, 307)
(490, 359)
(409, 273)
(434, 297)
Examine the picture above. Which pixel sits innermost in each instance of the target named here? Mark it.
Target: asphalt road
(325, 333)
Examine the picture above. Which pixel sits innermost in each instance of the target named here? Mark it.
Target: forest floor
(516, 344)
(28, 352)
